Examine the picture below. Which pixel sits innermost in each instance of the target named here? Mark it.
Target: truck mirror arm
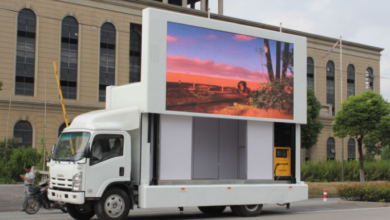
(52, 149)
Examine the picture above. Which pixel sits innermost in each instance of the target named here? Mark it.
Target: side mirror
(47, 159)
(52, 149)
(87, 152)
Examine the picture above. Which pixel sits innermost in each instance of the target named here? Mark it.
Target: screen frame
(154, 61)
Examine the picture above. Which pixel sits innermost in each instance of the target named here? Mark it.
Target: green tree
(386, 153)
(363, 117)
(1, 85)
(312, 129)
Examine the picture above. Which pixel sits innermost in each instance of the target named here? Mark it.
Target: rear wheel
(31, 205)
(212, 210)
(114, 205)
(247, 210)
(79, 213)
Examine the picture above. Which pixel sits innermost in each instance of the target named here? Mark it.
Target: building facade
(97, 43)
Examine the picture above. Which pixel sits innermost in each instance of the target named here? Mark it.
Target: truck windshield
(70, 146)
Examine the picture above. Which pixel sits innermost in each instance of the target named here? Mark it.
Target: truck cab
(91, 157)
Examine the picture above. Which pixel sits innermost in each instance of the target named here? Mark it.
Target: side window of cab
(105, 147)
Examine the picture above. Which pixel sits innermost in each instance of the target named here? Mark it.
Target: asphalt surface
(11, 197)
(310, 209)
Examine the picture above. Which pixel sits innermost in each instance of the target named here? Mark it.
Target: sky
(359, 21)
(201, 51)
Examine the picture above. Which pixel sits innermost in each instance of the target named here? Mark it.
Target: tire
(31, 205)
(212, 210)
(64, 209)
(247, 210)
(236, 210)
(79, 214)
(114, 204)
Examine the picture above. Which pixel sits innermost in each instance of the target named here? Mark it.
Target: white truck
(207, 126)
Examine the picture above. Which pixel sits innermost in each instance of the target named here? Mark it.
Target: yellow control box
(282, 161)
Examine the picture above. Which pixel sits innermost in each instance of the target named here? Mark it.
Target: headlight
(77, 181)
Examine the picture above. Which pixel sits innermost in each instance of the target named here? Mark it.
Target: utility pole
(341, 94)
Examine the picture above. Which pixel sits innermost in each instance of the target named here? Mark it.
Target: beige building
(97, 43)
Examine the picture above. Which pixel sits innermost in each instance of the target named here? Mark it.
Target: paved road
(11, 197)
(313, 209)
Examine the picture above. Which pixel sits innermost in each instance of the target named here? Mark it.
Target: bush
(13, 160)
(330, 171)
(368, 193)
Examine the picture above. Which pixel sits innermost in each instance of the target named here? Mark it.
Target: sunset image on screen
(217, 72)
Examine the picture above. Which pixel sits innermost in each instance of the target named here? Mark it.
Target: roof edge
(176, 8)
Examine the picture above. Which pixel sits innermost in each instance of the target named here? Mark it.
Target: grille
(61, 183)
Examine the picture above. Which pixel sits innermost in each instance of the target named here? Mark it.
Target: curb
(360, 203)
(322, 196)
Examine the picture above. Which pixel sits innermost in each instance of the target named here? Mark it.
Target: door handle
(121, 171)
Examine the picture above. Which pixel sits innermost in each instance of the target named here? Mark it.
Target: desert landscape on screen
(216, 72)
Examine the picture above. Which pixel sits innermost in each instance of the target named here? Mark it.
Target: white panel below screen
(176, 142)
(260, 150)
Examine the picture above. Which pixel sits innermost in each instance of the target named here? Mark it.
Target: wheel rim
(114, 206)
(32, 205)
(251, 207)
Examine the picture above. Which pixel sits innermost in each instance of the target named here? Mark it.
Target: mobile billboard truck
(214, 122)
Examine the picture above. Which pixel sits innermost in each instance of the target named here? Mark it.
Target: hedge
(330, 171)
(368, 193)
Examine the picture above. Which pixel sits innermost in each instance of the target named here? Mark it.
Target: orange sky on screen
(198, 79)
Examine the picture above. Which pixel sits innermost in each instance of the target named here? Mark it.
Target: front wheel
(212, 210)
(78, 213)
(247, 210)
(31, 205)
(113, 205)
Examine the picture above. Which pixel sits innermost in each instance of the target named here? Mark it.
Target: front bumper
(65, 196)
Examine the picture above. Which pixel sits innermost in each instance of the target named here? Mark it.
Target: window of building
(307, 154)
(23, 134)
(331, 149)
(61, 128)
(330, 85)
(69, 50)
(369, 79)
(310, 72)
(135, 53)
(351, 149)
(107, 59)
(350, 80)
(25, 56)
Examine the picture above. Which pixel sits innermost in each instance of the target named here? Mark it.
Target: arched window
(135, 56)
(350, 80)
(107, 59)
(25, 56)
(369, 79)
(69, 51)
(23, 134)
(61, 128)
(310, 72)
(330, 88)
(331, 149)
(351, 149)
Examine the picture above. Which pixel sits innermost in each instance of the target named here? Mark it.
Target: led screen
(216, 72)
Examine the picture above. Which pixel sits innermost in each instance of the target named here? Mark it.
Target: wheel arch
(125, 186)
